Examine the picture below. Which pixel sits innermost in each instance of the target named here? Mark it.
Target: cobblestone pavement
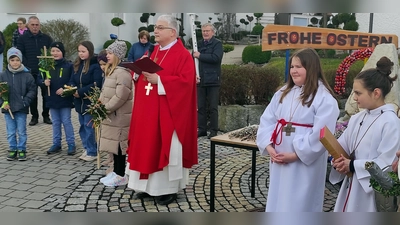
(59, 182)
(64, 183)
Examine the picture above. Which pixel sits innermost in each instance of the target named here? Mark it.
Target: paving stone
(19, 194)
(37, 196)
(14, 202)
(33, 204)
(74, 208)
(11, 209)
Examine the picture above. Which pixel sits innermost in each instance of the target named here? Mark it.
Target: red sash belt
(279, 128)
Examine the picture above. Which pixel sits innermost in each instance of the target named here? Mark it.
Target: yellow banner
(279, 37)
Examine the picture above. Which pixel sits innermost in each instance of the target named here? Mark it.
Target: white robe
(173, 177)
(298, 186)
(379, 144)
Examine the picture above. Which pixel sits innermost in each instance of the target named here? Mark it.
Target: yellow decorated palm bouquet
(68, 90)
(4, 94)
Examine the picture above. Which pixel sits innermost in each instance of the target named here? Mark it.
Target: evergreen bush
(254, 53)
(257, 30)
(248, 84)
(228, 48)
(8, 33)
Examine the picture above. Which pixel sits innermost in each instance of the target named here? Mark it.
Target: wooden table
(224, 140)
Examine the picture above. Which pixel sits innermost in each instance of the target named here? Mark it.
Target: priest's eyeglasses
(161, 27)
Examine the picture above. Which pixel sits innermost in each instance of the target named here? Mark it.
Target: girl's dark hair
(310, 61)
(378, 77)
(102, 56)
(90, 47)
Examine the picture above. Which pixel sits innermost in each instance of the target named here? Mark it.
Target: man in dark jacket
(30, 44)
(210, 56)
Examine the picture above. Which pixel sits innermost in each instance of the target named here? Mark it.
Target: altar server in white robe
(372, 135)
(289, 133)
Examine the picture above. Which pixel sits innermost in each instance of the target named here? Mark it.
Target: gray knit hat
(14, 51)
(118, 48)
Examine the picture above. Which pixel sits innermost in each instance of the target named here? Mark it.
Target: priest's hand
(341, 164)
(287, 157)
(151, 77)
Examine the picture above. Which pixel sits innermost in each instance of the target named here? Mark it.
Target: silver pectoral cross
(289, 129)
(148, 88)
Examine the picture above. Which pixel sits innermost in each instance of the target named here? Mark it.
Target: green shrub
(116, 21)
(257, 30)
(228, 48)
(248, 84)
(69, 32)
(109, 42)
(254, 53)
(330, 53)
(237, 36)
(8, 33)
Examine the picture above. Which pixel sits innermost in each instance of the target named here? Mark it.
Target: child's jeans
(62, 117)
(16, 126)
(86, 132)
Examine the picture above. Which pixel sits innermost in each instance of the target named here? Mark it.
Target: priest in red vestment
(163, 130)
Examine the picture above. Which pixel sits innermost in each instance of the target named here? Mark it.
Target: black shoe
(212, 134)
(12, 155)
(142, 195)
(165, 199)
(21, 156)
(33, 122)
(47, 120)
(54, 149)
(201, 134)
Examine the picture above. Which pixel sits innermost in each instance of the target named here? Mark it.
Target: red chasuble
(155, 117)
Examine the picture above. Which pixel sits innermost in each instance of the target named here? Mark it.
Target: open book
(145, 64)
(332, 145)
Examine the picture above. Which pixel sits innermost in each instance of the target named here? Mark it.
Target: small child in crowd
(60, 107)
(22, 90)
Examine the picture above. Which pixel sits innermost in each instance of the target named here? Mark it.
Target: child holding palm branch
(21, 91)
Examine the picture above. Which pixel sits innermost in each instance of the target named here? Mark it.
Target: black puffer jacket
(22, 90)
(30, 46)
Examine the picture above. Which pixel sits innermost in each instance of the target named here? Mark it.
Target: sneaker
(54, 149)
(71, 149)
(89, 158)
(12, 155)
(21, 156)
(108, 177)
(83, 155)
(116, 181)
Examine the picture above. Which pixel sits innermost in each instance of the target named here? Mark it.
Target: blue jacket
(210, 62)
(137, 50)
(22, 90)
(59, 77)
(85, 82)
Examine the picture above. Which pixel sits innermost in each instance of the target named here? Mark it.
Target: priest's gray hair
(171, 21)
